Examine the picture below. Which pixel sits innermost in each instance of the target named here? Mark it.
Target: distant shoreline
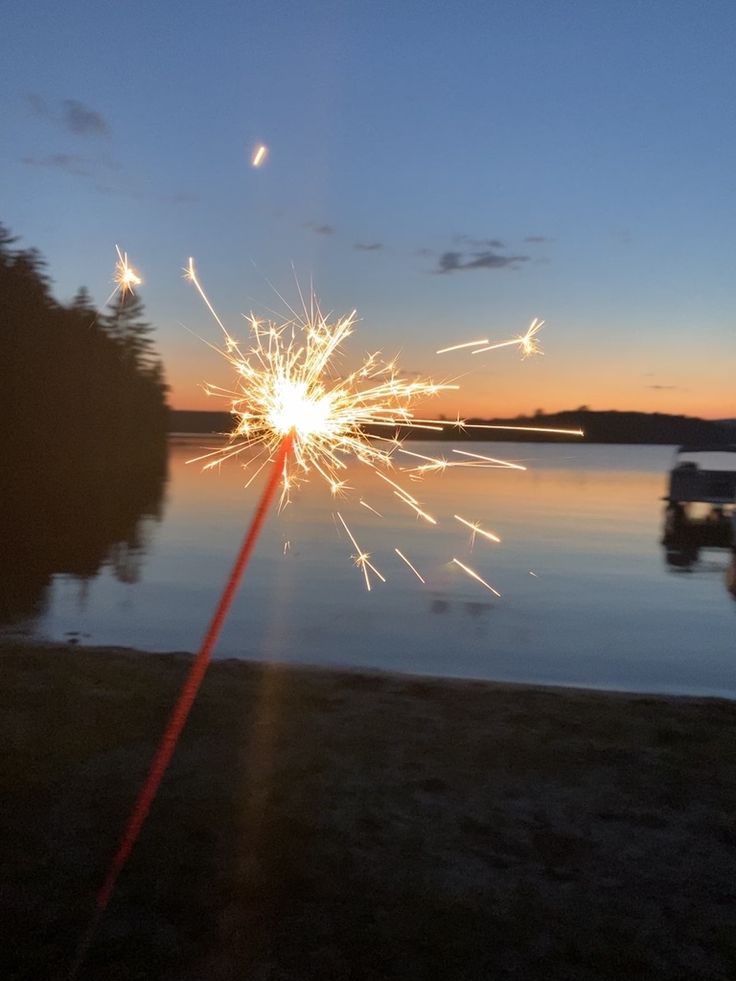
(626, 428)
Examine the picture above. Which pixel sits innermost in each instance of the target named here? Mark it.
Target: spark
(361, 558)
(528, 429)
(420, 514)
(527, 343)
(402, 556)
(259, 155)
(126, 277)
(458, 347)
(474, 575)
(433, 463)
(463, 424)
(504, 464)
(477, 530)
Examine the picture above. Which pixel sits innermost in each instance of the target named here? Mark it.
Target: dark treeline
(84, 423)
(73, 379)
(599, 427)
(611, 426)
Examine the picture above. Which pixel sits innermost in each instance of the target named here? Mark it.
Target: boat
(690, 483)
(701, 501)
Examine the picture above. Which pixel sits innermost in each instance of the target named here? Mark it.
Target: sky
(451, 170)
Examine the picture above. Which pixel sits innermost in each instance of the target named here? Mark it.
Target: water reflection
(73, 522)
(598, 609)
(731, 575)
(469, 608)
(688, 534)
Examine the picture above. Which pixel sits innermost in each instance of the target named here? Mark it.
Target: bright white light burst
(126, 278)
(288, 382)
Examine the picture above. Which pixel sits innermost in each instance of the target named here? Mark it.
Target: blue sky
(569, 160)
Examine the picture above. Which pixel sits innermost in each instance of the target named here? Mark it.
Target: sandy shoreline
(329, 824)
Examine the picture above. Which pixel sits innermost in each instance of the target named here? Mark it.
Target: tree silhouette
(84, 415)
(124, 323)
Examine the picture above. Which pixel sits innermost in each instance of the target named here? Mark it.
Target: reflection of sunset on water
(522, 500)
(586, 593)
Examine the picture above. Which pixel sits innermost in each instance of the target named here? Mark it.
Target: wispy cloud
(70, 163)
(538, 239)
(453, 261)
(320, 229)
(71, 114)
(368, 246)
(478, 243)
(99, 173)
(83, 121)
(666, 388)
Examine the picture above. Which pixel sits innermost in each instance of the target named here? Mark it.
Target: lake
(587, 598)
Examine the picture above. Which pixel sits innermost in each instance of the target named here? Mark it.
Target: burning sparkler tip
(126, 277)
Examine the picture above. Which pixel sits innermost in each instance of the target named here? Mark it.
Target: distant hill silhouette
(599, 427)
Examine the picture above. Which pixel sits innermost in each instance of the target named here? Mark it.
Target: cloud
(72, 115)
(82, 120)
(423, 253)
(68, 162)
(368, 247)
(478, 243)
(665, 388)
(537, 239)
(453, 261)
(320, 229)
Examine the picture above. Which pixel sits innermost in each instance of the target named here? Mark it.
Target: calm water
(587, 598)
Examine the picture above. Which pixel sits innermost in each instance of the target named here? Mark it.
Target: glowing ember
(259, 155)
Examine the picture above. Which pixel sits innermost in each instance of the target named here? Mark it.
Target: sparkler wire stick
(179, 716)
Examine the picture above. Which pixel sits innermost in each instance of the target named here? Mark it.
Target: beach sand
(332, 824)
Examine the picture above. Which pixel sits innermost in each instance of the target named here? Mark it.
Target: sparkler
(287, 381)
(295, 411)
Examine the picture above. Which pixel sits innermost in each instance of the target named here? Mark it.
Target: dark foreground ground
(320, 825)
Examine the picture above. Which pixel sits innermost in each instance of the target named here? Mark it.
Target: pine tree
(82, 302)
(124, 323)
